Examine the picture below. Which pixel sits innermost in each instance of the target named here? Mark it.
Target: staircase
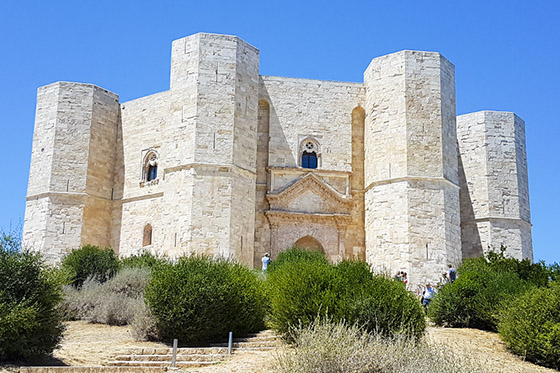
(195, 356)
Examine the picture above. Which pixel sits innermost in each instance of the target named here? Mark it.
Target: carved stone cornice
(277, 217)
(312, 183)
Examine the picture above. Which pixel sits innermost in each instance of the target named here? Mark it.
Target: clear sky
(506, 55)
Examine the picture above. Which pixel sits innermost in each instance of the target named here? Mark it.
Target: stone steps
(195, 356)
(156, 364)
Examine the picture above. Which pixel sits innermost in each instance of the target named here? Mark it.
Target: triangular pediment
(310, 194)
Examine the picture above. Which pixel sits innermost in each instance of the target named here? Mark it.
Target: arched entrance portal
(309, 243)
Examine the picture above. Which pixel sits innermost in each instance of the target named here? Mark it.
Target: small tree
(30, 324)
(90, 262)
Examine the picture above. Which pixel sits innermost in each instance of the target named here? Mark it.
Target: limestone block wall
(321, 109)
(411, 175)
(494, 184)
(71, 175)
(144, 127)
(329, 113)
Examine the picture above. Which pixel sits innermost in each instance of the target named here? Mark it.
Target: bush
(325, 347)
(535, 273)
(30, 325)
(531, 326)
(304, 288)
(115, 302)
(200, 300)
(144, 260)
(297, 255)
(90, 262)
(475, 299)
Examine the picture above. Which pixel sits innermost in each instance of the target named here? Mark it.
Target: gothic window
(150, 170)
(147, 240)
(309, 154)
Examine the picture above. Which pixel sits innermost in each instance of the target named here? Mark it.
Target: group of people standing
(427, 292)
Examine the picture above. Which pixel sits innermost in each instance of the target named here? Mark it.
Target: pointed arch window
(150, 169)
(309, 154)
(147, 239)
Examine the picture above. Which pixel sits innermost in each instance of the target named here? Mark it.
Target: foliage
(531, 326)
(475, 299)
(199, 299)
(30, 325)
(535, 273)
(90, 262)
(115, 302)
(554, 271)
(297, 255)
(144, 260)
(326, 347)
(10, 240)
(305, 287)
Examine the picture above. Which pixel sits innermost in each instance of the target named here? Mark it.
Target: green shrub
(297, 255)
(475, 299)
(30, 324)
(535, 273)
(388, 309)
(326, 347)
(305, 288)
(116, 302)
(554, 272)
(90, 261)
(200, 300)
(144, 260)
(531, 326)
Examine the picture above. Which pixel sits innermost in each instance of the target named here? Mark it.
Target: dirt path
(485, 347)
(93, 344)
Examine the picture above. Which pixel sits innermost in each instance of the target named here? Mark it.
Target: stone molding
(309, 182)
(410, 178)
(278, 217)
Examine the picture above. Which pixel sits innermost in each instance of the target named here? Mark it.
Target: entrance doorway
(309, 243)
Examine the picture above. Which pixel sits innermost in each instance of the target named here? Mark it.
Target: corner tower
(210, 155)
(411, 173)
(70, 192)
(494, 184)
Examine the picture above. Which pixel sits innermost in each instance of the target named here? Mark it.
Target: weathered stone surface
(227, 144)
(494, 184)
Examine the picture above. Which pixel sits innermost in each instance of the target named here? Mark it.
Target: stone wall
(71, 174)
(411, 191)
(227, 143)
(494, 184)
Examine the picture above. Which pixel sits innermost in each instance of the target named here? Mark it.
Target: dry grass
(325, 347)
(93, 344)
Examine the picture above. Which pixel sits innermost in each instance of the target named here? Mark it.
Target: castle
(229, 162)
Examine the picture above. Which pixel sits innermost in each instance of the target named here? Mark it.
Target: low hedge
(199, 299)
(530, 326)
(303, 287)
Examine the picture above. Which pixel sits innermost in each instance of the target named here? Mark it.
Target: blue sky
(506, 55)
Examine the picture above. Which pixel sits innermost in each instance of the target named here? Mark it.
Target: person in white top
(265, 260)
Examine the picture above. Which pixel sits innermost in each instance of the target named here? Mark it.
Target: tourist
(429, 293)
(452, 273)
(265, 260)
(444, 279)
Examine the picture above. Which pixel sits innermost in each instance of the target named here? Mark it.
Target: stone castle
(229, 162)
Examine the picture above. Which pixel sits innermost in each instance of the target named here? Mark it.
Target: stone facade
(228, 162)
